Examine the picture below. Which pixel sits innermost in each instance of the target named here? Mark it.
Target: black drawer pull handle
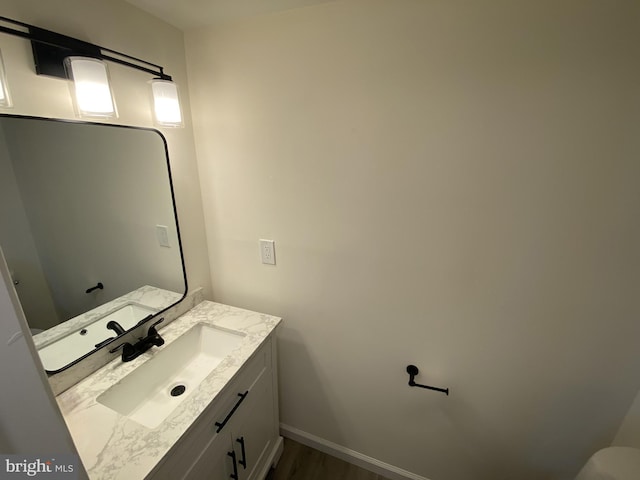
(234, 475)
(242, 462)
(221, 425)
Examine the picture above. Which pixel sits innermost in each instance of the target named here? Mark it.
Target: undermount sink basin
(152, 391)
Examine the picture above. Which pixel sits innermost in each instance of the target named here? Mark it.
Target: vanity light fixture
(93, 97)
(166, 103)
(5, 98)
(66, 57)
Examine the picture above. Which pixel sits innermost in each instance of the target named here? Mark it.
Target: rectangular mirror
(89, 231)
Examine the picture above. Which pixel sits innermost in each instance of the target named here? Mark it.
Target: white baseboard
(343, 453)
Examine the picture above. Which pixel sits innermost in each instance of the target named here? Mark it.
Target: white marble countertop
(111, 446)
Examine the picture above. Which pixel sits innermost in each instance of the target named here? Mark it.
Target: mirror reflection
(88, 229)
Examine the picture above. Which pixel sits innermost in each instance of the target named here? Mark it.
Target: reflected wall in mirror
(88, 229)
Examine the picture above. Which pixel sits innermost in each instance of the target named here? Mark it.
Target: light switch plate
(162, 232)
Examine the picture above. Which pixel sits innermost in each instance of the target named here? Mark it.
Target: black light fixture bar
(51, 48)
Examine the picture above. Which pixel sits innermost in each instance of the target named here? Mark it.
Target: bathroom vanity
(203, 405)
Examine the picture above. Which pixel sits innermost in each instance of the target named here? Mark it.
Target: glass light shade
(5, 98)
(93, 97)
(166, 103)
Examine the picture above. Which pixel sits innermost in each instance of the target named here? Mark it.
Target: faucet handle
(152, 329)
(122, 345)
(157, 322)
(153, 336)
(128, 351)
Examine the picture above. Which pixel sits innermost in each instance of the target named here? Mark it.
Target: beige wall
(19, 248)
(119, 26)
(449, 183)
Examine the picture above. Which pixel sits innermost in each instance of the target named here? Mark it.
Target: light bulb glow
(91, 85)
(166, 103)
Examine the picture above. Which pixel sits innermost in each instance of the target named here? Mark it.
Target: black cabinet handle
(234, 475)
(242, 462)
(221, 425)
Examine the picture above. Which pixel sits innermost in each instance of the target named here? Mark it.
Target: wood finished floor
(299, 462)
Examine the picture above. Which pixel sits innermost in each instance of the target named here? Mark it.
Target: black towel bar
(98, 286)
(412, 370)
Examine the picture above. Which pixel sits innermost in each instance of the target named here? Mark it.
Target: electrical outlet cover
(267, 251)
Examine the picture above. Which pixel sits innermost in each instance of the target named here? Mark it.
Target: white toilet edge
(612, 463)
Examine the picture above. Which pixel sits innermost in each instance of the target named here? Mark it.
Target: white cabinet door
(252, 434)
(214, 463)
(241, 448)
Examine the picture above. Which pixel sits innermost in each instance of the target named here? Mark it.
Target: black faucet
(116, 327)
(129, 352)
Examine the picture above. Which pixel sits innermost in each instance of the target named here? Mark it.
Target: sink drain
(178, 390)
